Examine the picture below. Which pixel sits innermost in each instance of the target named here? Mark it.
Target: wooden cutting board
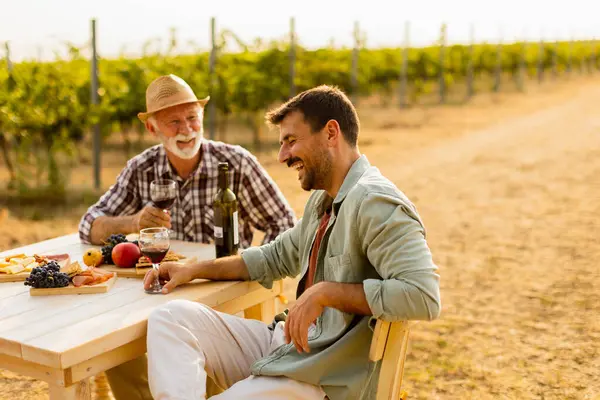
(20, 277)
(136, 272)
(125, 272)
(71, 289)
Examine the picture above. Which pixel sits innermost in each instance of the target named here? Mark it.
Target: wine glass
(154, 244)
(163, 193)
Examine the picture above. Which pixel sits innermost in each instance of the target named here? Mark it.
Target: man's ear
(334, 133)
(150, 127)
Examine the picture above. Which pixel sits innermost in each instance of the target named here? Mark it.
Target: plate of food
(51, 278)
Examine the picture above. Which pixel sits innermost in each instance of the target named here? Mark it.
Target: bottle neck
(223, 179)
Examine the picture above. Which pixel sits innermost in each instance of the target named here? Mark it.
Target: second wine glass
(154, 245)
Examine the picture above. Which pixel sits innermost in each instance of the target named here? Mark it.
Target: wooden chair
(390, 342)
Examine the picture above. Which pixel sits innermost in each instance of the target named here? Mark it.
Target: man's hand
(304, 312)
(151, 217)
(346, 297)
(171, 274)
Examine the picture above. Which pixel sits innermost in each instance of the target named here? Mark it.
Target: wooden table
(64, 340)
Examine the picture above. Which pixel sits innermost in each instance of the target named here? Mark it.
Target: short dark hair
(320, 105)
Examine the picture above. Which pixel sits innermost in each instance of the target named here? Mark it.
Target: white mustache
(185, 138)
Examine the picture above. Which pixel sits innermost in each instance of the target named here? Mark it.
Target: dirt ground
(509, 191)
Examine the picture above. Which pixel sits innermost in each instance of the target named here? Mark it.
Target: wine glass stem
(156, 279)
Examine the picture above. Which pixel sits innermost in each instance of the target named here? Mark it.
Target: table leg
(264, 311)
(78, 391)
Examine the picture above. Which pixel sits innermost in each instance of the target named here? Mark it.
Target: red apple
(126, 255)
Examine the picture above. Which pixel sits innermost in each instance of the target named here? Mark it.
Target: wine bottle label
(218, 228)
(236, 235)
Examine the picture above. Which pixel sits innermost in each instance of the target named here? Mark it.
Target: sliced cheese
(15, 256)
(27, 261)
(13, 269)
(31, 266)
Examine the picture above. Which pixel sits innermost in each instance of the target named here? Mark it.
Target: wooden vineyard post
(498, 69)
(292, 57)
(442, 72)
(570, 56)
(555, 59)
(212, 106)
(355, 54)
(94, 101)
(9, 65)
(470, 65)
(403, 87)
(540, 61)
(520, 76)
(593, 56)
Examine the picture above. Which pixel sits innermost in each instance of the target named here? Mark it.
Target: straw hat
(168, 91)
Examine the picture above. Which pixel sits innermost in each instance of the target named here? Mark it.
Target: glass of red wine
(163, 193)
(154, 244)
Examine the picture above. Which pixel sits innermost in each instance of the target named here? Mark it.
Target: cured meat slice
(57, 257)
(80, 280)
(92, 276)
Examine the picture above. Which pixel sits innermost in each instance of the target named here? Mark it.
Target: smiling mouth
(186, 143)
(298, 165)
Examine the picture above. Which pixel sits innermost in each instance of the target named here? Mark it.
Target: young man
(361, 252)
(175, 117)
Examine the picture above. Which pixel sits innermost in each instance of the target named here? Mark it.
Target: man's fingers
(169, 286)
(304, 337)
(148, 278)
(291, 323)
(294, 331)
(150, 222)
(158, 214)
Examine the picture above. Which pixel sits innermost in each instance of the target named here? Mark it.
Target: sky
(36, 28)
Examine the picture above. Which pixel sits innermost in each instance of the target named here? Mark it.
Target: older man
(175, 116)
(360, 250)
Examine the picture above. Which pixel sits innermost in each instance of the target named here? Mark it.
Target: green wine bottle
(226, 216)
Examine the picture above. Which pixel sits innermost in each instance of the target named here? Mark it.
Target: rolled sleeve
(394, 241)
(257, 266)
(85, 225)
(120, 199)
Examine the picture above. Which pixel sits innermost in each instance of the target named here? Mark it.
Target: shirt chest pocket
(339, 268)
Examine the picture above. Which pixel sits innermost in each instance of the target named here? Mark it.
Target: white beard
(171, 144)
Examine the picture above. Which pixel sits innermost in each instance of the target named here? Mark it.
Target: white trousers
(188, 341)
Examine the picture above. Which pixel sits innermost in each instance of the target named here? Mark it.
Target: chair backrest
(390, 341)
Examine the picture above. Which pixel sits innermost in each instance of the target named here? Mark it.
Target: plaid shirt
(261, 204)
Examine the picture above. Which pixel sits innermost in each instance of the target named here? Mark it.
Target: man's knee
(177, 311)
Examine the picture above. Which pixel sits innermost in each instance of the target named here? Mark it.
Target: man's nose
(284, 154)
(188, 127)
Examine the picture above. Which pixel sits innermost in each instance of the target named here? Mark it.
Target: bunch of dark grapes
(110, 243)
(47, 276)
